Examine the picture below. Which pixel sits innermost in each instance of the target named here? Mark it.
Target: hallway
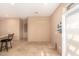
(21, 48)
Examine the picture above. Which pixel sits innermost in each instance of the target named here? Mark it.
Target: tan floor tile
(23, 48)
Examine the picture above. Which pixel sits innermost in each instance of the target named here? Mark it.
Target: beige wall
(38, 29)
(55, 19)
(10, 25)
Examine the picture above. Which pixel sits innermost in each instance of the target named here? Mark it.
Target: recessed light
(45, 3)
(36, 12)
(12, 3)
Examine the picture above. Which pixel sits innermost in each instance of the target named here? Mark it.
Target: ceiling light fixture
(36, 12)
(12, 3)
(45, 3)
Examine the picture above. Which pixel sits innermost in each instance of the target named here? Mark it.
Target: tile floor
(23, 48)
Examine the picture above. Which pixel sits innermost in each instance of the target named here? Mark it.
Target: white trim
(63, 36)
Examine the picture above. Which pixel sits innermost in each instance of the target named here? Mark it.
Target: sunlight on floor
(72, 48)
(42, 53)
(77, 52)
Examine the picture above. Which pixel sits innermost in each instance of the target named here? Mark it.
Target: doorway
(23, 29)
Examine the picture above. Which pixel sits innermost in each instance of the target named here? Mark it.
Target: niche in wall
(25, 27)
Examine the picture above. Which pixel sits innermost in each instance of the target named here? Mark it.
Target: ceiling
(27, 9)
